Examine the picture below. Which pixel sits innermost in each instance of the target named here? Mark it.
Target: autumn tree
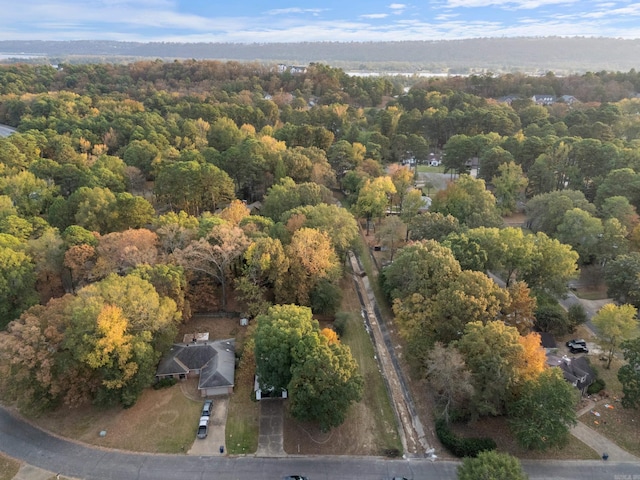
(214, 254)
(120, 251)
(450, 378)
(520, 310)
(544, 411)
(311, 259)
(433, 225)
(615, 324)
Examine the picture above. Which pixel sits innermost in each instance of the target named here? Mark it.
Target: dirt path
(412, 433)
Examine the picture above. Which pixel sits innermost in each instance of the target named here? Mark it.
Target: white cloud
(517, 4)
(284, 11)
(397, 6)
(375, 15)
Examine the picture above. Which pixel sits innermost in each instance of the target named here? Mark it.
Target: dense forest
(135, 195)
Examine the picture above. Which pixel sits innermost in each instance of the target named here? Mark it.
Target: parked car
(576, 342)
(206, 408)
(578, 348)
(295, 477)
(203, 427)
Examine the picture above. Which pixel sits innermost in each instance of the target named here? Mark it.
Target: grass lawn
(8, 468)
(243, 416)
(620, 425)
(376, 396)
(162, 421)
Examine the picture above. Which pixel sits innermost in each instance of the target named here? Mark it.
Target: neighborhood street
(20, 440)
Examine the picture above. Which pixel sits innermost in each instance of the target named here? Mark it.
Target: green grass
(428, 169)
(591, 294)
(243, 417)
(8, 468)
(376, 396)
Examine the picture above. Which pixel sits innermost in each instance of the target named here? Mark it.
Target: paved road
(20, 440)
(6, 130)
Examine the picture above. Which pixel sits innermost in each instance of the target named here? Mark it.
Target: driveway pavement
(216, 436)
(270, 438)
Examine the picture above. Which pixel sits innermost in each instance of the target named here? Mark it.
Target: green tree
(374, 198)
(324, 382)
(491, 465)
(17, 284)
(629, 374)
(510, 183)
(583, 232)
(615, 324)
(434, 226)
(622, 276)
(278, 332)
(493, 354)
(287, 195)
(546, 211)
(424, 268)
(543, 411)
(469, 201)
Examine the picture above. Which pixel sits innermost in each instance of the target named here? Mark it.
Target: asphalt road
(20, 440)
(5, 130)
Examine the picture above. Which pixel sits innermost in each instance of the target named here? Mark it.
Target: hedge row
(462, 447)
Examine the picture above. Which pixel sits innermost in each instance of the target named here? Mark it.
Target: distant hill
(524, 54)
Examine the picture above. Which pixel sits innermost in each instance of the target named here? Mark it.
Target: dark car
(206, 408)
(295, 477)
(572, 342)
(578, 348)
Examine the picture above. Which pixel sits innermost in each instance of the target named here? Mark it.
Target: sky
(242, 21)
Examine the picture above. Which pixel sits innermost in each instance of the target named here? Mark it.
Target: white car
(203, 427)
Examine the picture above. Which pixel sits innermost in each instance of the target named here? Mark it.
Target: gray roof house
(212, 361)
(576, 371)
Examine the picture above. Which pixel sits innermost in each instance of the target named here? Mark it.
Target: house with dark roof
(577, 371)
(213, 362)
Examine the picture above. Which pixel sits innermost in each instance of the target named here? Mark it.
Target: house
(568, 99)
(213, 362)
(508, 99)
(576, 371)
(544, 99)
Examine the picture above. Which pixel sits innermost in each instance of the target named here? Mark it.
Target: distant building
(544, 99)
(508, 99)
(568, 99)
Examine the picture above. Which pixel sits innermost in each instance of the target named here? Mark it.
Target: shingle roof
(215, 360)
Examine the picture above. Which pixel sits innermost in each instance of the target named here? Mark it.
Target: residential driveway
(270, 439)
(216, 436)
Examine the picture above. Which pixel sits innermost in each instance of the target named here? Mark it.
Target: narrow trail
(412, 434)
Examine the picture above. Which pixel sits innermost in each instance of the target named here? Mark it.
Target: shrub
(164, 383)
(596, 386)
(459, 446)
(340, 322)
